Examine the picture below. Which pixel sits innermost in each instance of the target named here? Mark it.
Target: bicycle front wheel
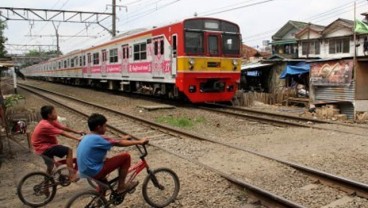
(161, 187)
(36, 189)
(88, 199)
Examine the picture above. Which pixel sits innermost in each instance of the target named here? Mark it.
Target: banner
(331, 73)
(360, 27)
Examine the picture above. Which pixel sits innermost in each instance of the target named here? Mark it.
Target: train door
(89, 62)
(125, 60)
(213, 44)
(174, 54)
(158, 57)
(104, 63)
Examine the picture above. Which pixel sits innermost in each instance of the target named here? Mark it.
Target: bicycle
(39, 188)
(164, 181)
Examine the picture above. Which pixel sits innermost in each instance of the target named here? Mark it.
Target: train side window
(156, 47)
(140, 52)
(96, 59)
(113, 55)
(161, 46)
(174, 45)
(89, 60)
(104, 56)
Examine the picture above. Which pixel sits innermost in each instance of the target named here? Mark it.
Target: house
(337, 65)
(284, 42)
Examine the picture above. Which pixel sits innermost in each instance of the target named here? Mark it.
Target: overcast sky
(258, 19)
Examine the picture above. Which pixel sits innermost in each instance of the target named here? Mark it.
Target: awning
(283, 42)
(294, 69)
(254, 66)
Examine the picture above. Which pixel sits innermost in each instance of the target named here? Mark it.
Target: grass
(181, 121)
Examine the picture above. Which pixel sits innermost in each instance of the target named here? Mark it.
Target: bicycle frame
(133, 171)
(136, 169)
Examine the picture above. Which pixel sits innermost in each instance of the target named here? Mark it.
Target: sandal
(128, 187)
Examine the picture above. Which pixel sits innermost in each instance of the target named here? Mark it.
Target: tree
(3, 39)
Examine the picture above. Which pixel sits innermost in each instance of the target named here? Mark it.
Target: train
(197, 59)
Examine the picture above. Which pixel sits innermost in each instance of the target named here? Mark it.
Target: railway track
(284, 120)
(169, 140)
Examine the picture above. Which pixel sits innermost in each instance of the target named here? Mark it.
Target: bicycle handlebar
(143, 152)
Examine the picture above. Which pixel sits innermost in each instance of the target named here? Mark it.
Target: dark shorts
(58, 151)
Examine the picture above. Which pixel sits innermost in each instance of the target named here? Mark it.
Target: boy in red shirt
(45, 143)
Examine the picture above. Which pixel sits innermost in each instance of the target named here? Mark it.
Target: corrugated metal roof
(255, 66)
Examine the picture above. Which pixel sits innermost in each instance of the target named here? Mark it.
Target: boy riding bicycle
(92, 150)
(45, 143)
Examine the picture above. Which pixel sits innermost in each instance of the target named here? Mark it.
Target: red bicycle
(39, 188)
(159, 188)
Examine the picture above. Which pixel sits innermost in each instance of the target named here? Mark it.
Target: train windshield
(194, 42)
(211, 37)
(231, 44)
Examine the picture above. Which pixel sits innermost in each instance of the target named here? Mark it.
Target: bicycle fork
(154, 180)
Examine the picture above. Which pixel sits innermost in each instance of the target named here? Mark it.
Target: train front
(208, 64)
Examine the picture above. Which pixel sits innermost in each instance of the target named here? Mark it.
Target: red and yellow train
(197, 58)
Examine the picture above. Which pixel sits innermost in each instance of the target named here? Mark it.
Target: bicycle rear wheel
(36, 189)
(87, 199)
(161, 187)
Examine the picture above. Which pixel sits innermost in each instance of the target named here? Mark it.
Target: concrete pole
(14, 80)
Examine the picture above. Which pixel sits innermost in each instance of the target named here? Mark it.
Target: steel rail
(277, 122)
(360, 189)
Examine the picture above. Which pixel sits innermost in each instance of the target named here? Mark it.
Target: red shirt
(44, 135)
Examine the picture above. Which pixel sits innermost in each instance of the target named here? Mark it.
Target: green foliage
(13, 100)
(39, 53)
(181, 122)
(3, 39)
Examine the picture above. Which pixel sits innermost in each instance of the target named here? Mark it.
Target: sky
(257, 19)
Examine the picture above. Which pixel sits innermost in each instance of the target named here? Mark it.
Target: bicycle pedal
(131, 191)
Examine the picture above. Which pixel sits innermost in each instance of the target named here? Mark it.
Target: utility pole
(113, 32)
(309, 43)
(57, 38)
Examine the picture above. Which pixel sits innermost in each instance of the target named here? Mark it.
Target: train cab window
(113, 55)
(213, 45)
(231, 44)
(96, 58)
(194, 42)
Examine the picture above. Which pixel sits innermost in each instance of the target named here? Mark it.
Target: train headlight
(191, 63)
(235, 64)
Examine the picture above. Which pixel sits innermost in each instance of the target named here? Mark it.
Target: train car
(197, 58)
